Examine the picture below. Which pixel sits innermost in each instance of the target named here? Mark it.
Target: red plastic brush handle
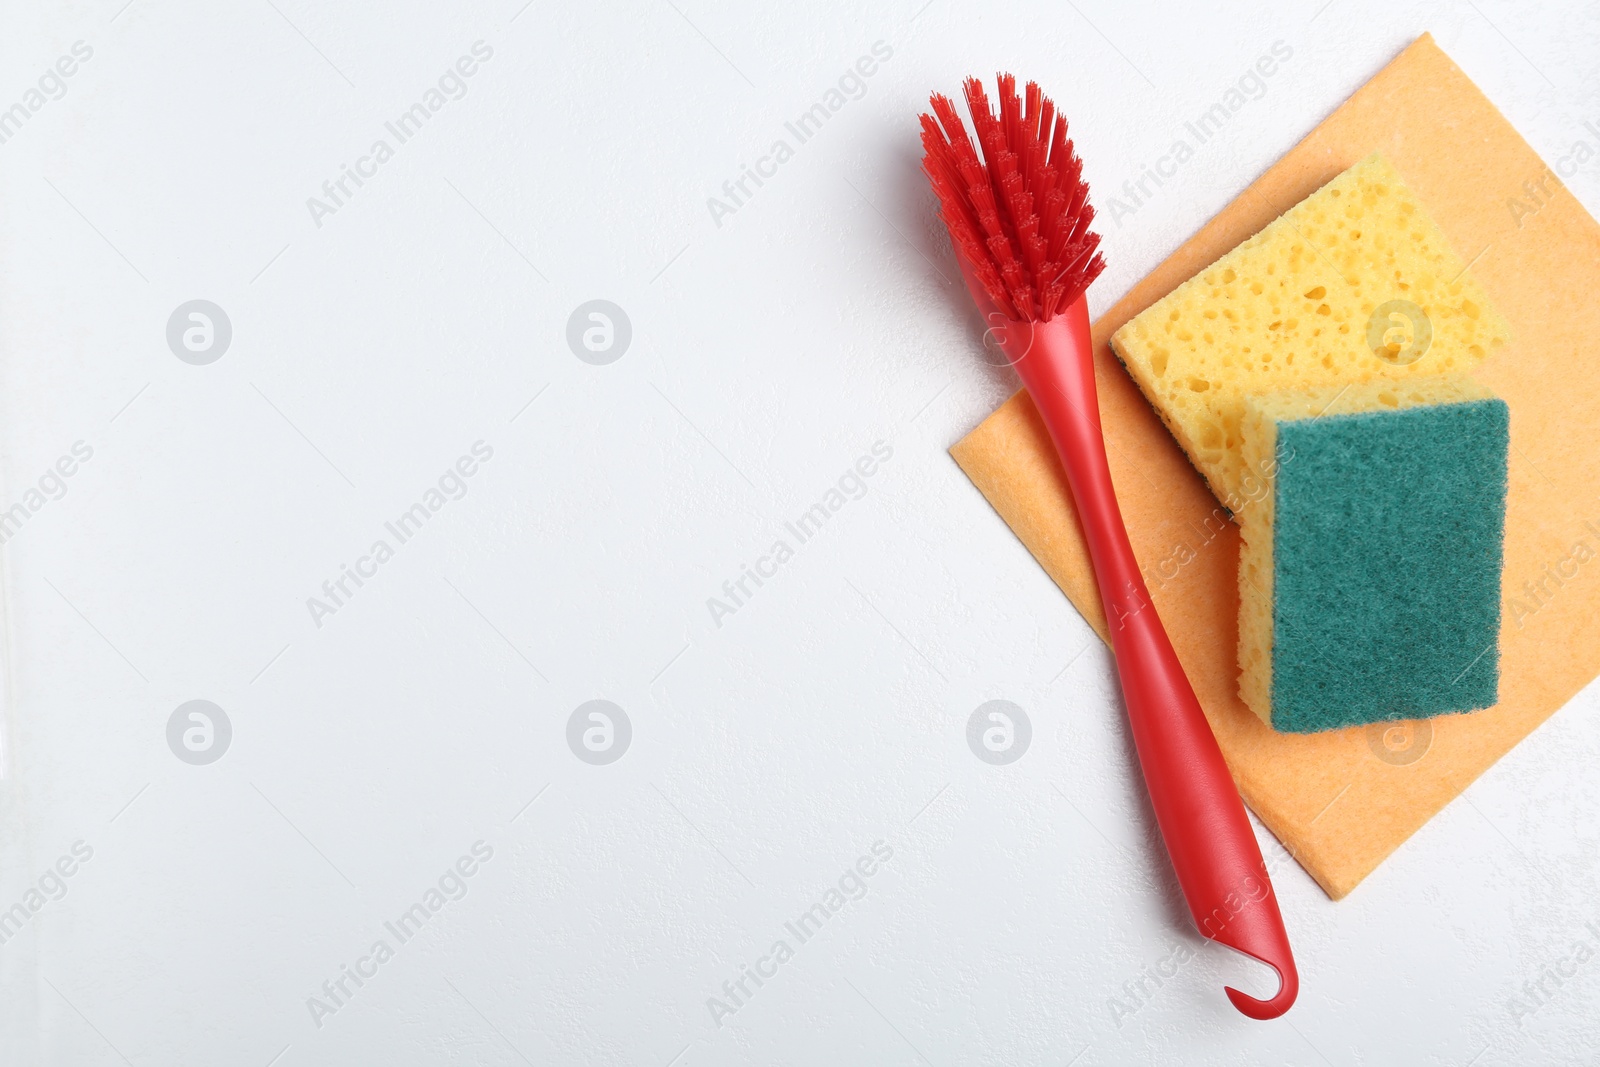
(1197, 806)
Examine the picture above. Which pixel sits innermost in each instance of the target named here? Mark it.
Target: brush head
(1019, 216)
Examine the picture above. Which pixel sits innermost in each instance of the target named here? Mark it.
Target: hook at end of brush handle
(1197, 806)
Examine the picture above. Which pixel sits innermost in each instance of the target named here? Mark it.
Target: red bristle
(1013, 198)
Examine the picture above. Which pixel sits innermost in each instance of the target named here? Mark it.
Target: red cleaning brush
(1019, 220)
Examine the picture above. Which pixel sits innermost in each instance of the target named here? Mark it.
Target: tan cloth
(1343, 801)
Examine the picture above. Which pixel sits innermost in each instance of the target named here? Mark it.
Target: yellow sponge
(1354, 283)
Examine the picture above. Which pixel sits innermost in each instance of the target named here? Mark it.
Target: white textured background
(1022, 903)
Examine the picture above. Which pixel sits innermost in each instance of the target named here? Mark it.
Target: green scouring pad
(1370, 575)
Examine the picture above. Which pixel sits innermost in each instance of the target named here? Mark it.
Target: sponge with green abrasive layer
(1369, 579)
(1292, 308)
